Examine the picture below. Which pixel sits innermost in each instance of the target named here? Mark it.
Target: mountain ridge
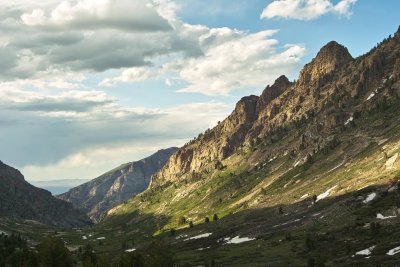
(115, 186)
(20, 200)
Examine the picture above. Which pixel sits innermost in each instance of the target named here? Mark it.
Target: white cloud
(45, 128)
(129, 76)
(306, 9)
(243, 60)
(92, 14)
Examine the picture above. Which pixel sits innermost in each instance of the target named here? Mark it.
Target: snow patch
(3, 233)
(130, 250)
(237, 240)
(371, 96)
(101, 238)
(274, 158)
(304, 196)
(369, 198)
(325, 194)
(199, 236)
(349, 120)
(365, 252)
(381, 217)
(181, 236)
(393, 251)
(84, 237)
(200, 249)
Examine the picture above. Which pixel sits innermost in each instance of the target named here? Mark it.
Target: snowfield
(365, 252)
(393, 251)
(198, 236)
(369, 198)
(381, 217)
(326, 193)
(237, 240)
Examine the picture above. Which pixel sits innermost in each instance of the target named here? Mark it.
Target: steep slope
(20, 200)
(117, 185)
(307, 170)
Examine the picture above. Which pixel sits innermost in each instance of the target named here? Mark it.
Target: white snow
(381, 217)
(371, 96)
(365, 252)
(370, 197)
(3, 233)
(393, 251)
(84, 237)
(203, 248)
(349, 120)
(181, 236)
(199, 236)
(237, 240)
(304, 196)
(101, 238)
(271, 160)
(130, 250)
(325, 194)
(297, 163)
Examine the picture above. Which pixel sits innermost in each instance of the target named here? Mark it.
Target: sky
(86, 85)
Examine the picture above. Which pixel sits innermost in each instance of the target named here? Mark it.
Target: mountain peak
(273, 91)
(330, 57)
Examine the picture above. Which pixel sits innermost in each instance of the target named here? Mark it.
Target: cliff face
(21, 200)
(331, 89)
(114, 187)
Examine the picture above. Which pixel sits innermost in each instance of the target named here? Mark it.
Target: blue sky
(86, 85)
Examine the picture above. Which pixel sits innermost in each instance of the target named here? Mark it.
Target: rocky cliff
(20, 200)
(114, 187)
(332, 89)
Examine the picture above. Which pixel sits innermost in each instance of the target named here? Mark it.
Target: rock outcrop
(116, 186)
(331, 89)
(20, 200)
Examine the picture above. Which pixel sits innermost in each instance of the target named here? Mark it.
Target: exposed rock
(21, 200)
(116, 186)
(326, 95)
(331, 57)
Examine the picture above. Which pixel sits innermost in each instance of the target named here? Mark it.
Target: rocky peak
(331, 57)
(245, 109)
(272, 92)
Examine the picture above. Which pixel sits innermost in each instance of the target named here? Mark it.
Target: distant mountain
(57, 187)
(116, 186)
(21, 200)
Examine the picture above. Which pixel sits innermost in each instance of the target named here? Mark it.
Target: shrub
(181, 220)
(215, 217)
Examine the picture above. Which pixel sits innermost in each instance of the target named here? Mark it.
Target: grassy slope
(251, 197)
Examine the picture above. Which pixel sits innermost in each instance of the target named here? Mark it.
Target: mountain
(306, 173)
(116, 186)
(57, 187)
(20, 200)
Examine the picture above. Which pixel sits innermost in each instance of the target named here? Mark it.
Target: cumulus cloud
(95, 14)
(234, 60)
(129, 76)
(306, 9)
